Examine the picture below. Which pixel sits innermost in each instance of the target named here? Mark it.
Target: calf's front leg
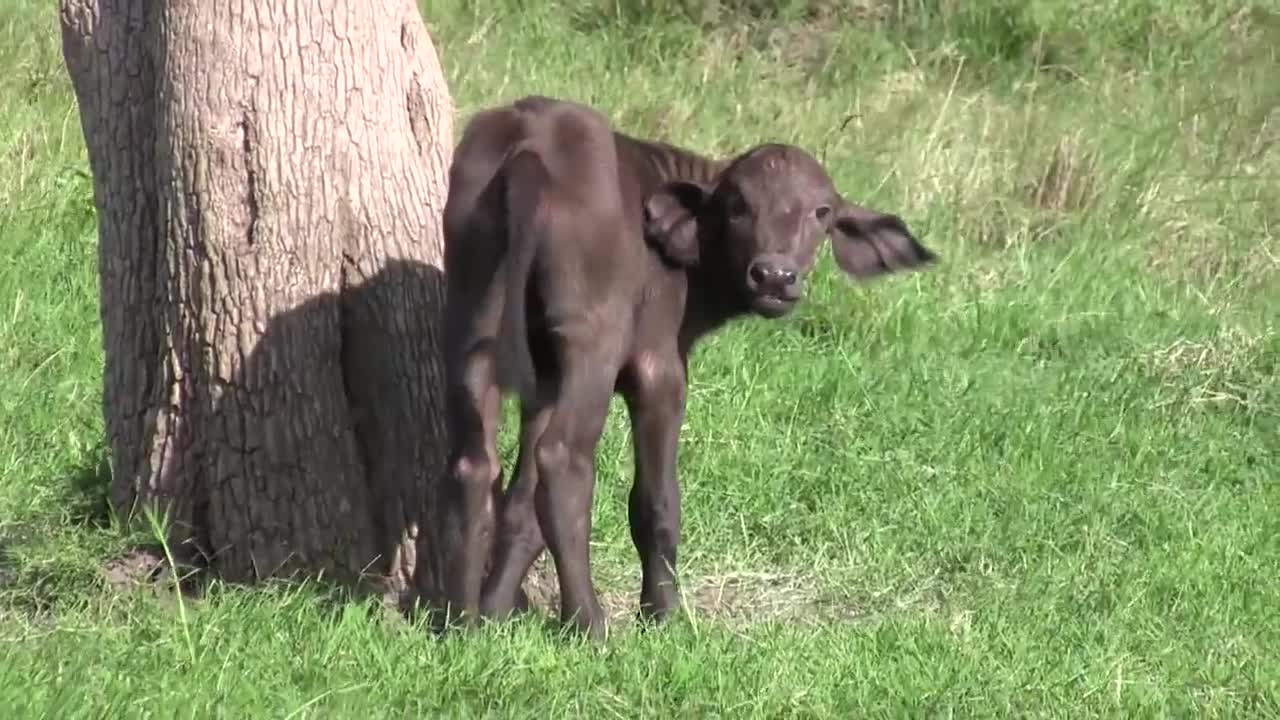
(656, 404)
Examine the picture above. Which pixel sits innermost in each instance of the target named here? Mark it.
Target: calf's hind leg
(565, 458)
(519, 538)
(472, 487)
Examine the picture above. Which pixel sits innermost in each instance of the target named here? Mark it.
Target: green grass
(1039, 479)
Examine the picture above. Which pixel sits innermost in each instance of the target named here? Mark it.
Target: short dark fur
(583, 262)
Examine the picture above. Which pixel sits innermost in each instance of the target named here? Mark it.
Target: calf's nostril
(769, 277)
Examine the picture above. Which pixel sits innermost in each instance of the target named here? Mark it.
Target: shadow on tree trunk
(319, 456)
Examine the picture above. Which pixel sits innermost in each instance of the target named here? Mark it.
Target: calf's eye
(821, 212)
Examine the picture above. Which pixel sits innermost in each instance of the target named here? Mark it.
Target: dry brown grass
(1223, 367)
(1070, 180)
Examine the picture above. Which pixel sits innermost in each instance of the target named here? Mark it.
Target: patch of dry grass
(1224, 369)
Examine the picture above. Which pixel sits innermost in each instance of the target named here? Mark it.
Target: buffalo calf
(581, 262)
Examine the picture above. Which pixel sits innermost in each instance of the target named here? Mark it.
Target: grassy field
(1037, 480)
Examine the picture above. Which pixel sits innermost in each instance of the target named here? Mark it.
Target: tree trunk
(269, 178)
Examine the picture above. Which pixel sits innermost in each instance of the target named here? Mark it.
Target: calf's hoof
(593, 626)
(650, 617)
(656, 607)
(501, 608)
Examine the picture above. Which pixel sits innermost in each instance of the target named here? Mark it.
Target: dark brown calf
(582, 262)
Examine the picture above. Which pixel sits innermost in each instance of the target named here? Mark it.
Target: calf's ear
(867, 243)
(671, 221)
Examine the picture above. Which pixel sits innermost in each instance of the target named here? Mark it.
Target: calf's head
(757, 227)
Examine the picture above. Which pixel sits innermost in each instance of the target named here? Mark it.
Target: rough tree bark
(269, 177)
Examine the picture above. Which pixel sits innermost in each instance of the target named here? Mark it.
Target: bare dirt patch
(145, 566)
(735, 598)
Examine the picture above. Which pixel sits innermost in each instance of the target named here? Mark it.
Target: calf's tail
(525, 177)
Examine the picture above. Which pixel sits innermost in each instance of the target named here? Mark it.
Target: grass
(1039, 479)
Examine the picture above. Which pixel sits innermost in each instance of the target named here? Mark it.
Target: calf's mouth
(772, 306)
